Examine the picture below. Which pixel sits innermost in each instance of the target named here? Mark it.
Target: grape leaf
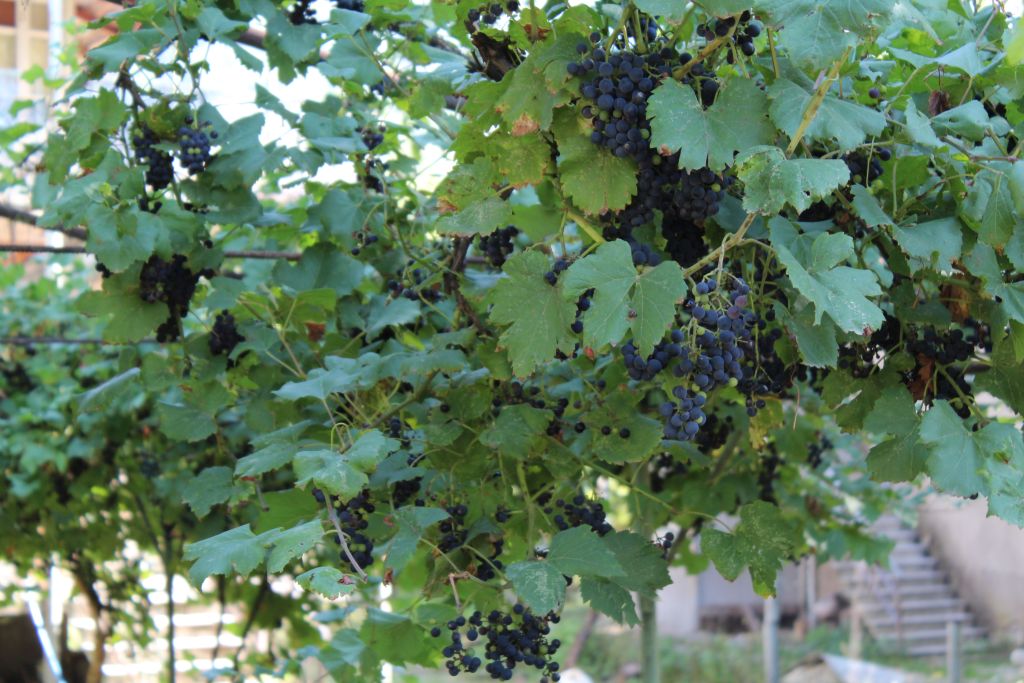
(818, 32)
(868, 208)
(624, 299)
(984, 263)
(846, 123)
(184, 422)
(328, 470)
(935, 244)
(647, 568)
(580, 552)
(710, 137)
(326, 581)
(102, 397)
(958, 456)
(287, 544)
(816, 341)
(920, 128)
(236, 550)
(839, 291)
(580, 161)
(1005, 377)
(540, 586)
(412, 522)
(267, 459)
(773, 181)
(322, 266)
(902, 457)
(213, 486)
(762, 542)
(482, 216)
(517, 430)
(610, 599)
(395, 638)
(131, 317)
(536, 330)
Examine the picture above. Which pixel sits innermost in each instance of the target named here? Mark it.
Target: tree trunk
(649, 640)
(169, 574)
(99, 636)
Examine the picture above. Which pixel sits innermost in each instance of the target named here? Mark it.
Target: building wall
(985, 559)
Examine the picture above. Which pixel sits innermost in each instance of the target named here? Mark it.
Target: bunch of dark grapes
(978, 334)
(640, 368)
(716, 360)
(766, 476)
(352, 516)
(415, 291)
(864, 169)
(351, 5)
(159, 164)
(582, 512)
(744, 29)
(302, 12)
(509, 639)
(933, 376)
(582, 306)
(551, 277)
(224, 336)
(489, 14)
(499, 245)
(665, 543)
(364, 239)
(684, 238)
(16, 377)
(816, 452)
(173, 283)
(453, 529)
(861, 360)
(194, 145)
(373, 137)
(486, 571)
(663, 469)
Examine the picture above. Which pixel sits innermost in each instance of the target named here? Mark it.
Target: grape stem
(812, 107)
(727, 244)
(332, 515)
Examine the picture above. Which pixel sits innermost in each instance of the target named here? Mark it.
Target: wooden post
(856, 630)
(770, 640)
(811, 591)
(954, 665)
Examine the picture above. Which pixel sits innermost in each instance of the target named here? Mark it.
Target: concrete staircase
(907, 607)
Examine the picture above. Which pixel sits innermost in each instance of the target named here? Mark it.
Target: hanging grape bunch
(173, 283)
(159, 164)
(372, 137)
(224, 336)
(499, 245)
(302, 12)
(194, 145)
(489, 14)
(744, 31)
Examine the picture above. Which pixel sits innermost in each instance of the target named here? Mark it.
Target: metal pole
(954, 665)
(49, 652)
(770, 640)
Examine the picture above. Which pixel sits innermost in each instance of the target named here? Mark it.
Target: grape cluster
(579, 511)
(766, 476)
(865, 169)
(489, 14)
(663, 469)
(498, 245)
(16, 377)
(684, 238)
(159, 164)
(551, 277)
(372, 137)
(194, 145)
(224, 336)
(486, 571)
(173, 283)
(351, 5)
(640, 368)
(302, 12)
(509, 639)
(582, 306)
(745, 30)
(816, 452)
(416, 290)
(716, 360)
(364, 240)
(352, 516)
(453, 528)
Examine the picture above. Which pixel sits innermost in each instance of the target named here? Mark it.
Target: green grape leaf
(395, 638)
(538, 584)
(102, 397)
(131, 317)
(536, 330)
(868, 208)
(935, 244)
(580, 161)
(213, 486)
(482, 216)
(845, 123)
(323, 266)
(184, 422)
(266, 459)
(818, 32)
(1004, 377)
(326, 581)
(236, 550)
(920, 127)
(412, 522)
(647, 570)
(286, 545)
(984, 263)
(816, 341)
(609, 599)
(957, 461)
(762, 542)
(580, 552)
(710, 137)
(839, 291)
(329, 471)
(644, 303)
(773, 181)
(517, 430)
(904, 456)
